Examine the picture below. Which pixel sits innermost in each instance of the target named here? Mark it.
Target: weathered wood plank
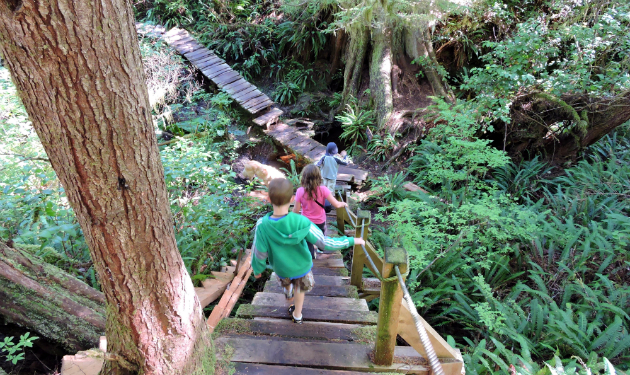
(253, 94)
(330, 271)
(246, 90)
(255, 102)
(316, 153)
(264, 105)
(216, 70)
(189, 47)
(197, 53)
(321, 302)
(323, 280)
(286, 328)
(268, 117)
(328, 263)
(237, 86)
(310, 314)
(318, 290)
(342, 356)
(227, 78)
(258, 369)
(205, 61)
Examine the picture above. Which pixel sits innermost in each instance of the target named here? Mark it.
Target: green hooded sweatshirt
(284, 243)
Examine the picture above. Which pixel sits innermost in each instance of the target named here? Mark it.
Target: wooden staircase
(337, 336)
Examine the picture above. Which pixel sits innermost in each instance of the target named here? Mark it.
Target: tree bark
(418, 44)
(591, 118)
(49, 301)
(381, 76)
(338, 41)
(77, 68)
(355, 56)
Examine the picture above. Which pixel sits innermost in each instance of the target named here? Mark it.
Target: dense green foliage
(518, 266)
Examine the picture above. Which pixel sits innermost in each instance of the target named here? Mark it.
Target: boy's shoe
(291, 309)
(296, 321)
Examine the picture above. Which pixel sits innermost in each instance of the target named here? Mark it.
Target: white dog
(265, 173)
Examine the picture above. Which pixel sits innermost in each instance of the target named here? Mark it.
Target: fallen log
(49, 301)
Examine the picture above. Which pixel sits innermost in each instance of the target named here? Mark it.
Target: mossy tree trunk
(78, 70)
(387, 45)
(49, 301)
(588, 119)
(381, 75)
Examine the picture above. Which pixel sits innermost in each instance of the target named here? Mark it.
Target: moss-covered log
(49, 301)
(537, 119)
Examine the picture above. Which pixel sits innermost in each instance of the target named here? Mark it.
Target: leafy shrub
(379, 147)
(523, 180)
(355, 122)
(286, 92)
(390, 187)
(15, 351)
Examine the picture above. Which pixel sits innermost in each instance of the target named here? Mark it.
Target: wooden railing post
(341, 214)
(358, 256)
(389, 307)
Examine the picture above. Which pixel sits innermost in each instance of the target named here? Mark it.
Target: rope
(424, 337)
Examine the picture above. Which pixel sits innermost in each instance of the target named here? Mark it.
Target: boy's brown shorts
(305, 283)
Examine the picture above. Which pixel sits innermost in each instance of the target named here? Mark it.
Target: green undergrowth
(518, 267)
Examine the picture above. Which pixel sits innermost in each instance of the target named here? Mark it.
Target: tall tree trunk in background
(381, 75)
(78, 70)
(418, 44)
(355, 57)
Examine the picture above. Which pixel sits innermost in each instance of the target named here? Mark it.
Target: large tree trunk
(77, 67)
(355, 56)
(418, 44)
(49, 301)
(381, 76)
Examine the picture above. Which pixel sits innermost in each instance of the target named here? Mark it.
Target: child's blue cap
(331, 149)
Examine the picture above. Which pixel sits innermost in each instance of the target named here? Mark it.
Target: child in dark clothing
(281, 236)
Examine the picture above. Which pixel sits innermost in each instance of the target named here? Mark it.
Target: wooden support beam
(407, 330)
(389, 306)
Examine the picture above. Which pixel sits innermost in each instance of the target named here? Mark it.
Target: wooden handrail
(395, 318)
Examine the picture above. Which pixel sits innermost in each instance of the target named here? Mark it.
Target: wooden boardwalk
(336, 337)
(216, 70)
(312, 150)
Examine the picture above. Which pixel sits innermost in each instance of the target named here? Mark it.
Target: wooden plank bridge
(217, 71)
(248, 97)
(311, 150)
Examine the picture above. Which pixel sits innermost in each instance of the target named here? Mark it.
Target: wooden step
(310, 314)
(322, 302)
(288, 329)
(256, 369)
(318, 290)
(323, 280)
(329, 355)
(328, 263)
(330, 271)
(268, 117)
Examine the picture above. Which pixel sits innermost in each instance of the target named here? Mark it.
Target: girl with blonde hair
(310, 198)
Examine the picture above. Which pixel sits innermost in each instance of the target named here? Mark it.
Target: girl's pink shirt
(310, 209)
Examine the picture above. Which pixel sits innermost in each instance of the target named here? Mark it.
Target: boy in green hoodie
(281, 236)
